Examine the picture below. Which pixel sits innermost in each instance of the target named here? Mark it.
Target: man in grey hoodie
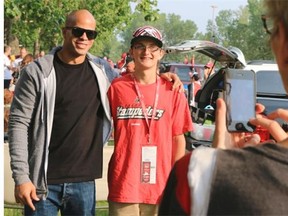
(56, 137)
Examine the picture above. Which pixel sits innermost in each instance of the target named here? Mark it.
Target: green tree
(257, 39)
(173, 29)
(243, 28)
(37, 24)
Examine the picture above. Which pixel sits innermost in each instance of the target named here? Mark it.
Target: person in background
(129, 66)
(186, 60)
(149, 123)
(18, 60)
(208, 70)
(121, 62)
(17, 65)
(8, 68)
(25, 61)
(246, 181)
(111, 63)
(42, 53)
(12, 60)
(8, 96)
(193, 87)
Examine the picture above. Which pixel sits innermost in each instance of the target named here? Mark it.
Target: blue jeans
(69, 198)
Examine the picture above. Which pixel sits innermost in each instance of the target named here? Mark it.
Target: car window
(269, 82)
(183, 73)
(271, 104)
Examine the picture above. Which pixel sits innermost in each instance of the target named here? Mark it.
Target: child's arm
(178, 148)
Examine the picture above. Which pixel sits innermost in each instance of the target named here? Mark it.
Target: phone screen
(240, 100)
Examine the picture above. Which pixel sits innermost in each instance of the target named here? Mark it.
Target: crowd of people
(13, 64)
(62, 113)
(196, 82)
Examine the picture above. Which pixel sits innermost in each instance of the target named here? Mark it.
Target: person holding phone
(193, 87)
(238, 181)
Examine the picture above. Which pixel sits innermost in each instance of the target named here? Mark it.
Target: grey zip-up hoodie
(31, 118)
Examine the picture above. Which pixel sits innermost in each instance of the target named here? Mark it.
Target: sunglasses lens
(78, 32)
(91, 34)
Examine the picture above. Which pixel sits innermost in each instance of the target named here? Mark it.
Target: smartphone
(240, 98)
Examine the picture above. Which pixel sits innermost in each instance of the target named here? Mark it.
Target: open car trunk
(203, 111)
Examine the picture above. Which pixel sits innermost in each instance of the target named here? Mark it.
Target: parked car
(269, 85)
(183, 70)
(270, 91)
(259, 65)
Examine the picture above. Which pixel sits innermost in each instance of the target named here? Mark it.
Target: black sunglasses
(78, 32)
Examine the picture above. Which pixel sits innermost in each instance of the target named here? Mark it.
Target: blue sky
(199, 11)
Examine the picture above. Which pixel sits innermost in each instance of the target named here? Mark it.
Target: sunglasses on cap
(78, 32)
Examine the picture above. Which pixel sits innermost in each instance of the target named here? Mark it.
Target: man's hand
(225, 140)
(177, 84)
(268, 122)
(25, 194)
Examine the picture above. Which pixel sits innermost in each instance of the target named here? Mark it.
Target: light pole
(213, 30)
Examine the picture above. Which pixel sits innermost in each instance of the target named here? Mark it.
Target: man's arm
(21, 112)
(20, 117)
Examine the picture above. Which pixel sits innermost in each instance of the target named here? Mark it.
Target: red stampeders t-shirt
(172, 118)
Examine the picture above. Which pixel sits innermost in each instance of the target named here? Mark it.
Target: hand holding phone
(240, 98)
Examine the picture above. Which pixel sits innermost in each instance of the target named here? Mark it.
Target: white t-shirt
(7, 71)
(7, 61)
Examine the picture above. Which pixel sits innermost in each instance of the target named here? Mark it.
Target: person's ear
(162, 53)
(131, 52)
(64, 30)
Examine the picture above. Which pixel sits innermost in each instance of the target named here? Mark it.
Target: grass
(17, 210)
(111, 142)
(13, 210)
(101, 206)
